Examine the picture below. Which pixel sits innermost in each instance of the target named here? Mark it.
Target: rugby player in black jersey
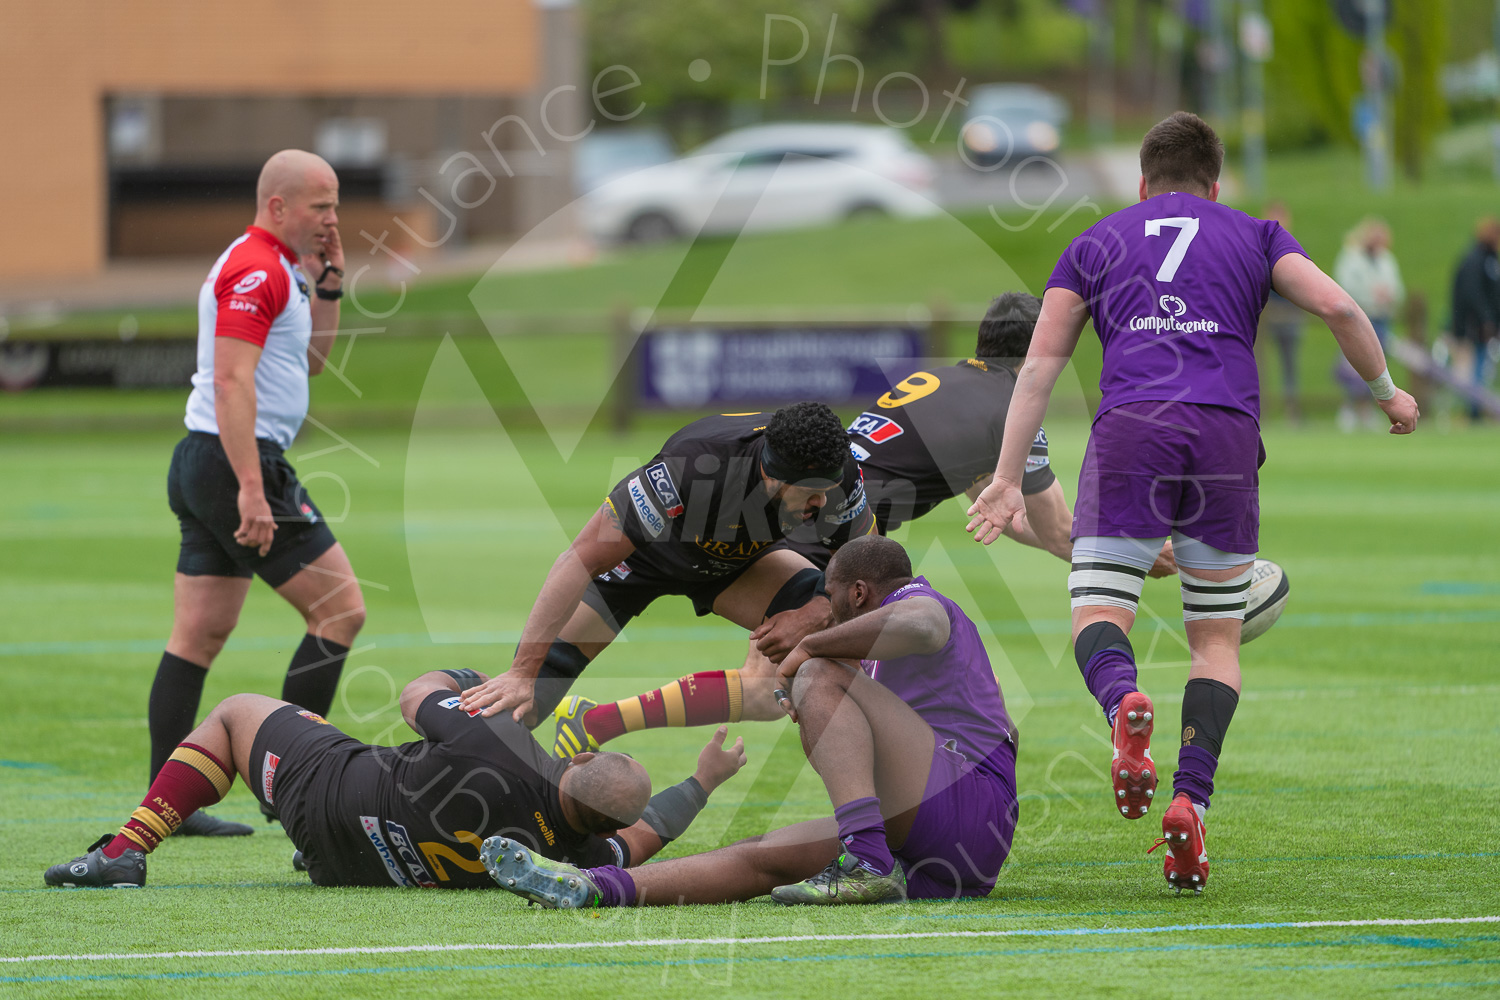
(708, 518)
(935, 435)
(409, 815)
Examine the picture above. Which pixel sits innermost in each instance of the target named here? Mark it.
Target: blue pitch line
(691, 633)
(759, 959)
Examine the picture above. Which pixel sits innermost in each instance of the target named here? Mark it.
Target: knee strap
(1203, 599)
(1112, 584)
(804, 585)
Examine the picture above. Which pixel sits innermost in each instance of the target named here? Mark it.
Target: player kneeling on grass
(415, 814)
(901, 716)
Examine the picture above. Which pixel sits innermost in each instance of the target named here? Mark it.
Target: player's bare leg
(199, 773)
(327, 595)
(779, 578)
(743, 870)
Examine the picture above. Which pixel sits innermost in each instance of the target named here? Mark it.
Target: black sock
(173, 706)
(1207, 707)
(312, 678)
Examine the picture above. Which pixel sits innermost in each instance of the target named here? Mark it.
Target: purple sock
(863, 833)
(616, 887)
(1195, 774)
(1110, 675)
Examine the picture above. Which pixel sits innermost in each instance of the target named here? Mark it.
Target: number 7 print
(1187, 228)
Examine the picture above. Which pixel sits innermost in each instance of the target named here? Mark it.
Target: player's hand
(787, 670)
(509, 691)
(999, 506)
(717, 765)
(1402, 412)
(257, 527)
(1166, 562)
(778, 635)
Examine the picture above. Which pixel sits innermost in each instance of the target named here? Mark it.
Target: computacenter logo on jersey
(644, 508)
(875, 427)
(249, 282)
(1174, 308)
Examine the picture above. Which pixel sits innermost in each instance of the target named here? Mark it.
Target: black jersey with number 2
(935, 434)
(415, 814)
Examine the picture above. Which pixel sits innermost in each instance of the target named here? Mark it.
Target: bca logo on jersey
(661, 482)
(249, 282)
(875, 427)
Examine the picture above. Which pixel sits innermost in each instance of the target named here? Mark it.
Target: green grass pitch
(1358, 782)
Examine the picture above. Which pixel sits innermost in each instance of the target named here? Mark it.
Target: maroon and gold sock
(701, 699)
(190, 779)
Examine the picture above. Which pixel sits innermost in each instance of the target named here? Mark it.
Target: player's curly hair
(808, 435)
(1005, 331)
(1181, 152)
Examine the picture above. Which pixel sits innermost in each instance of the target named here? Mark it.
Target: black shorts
(296, 762)
(203, 492)
(628, 589)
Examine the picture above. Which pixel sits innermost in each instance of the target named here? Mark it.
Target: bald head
(607, 791)
(296, 199)
(290, 172)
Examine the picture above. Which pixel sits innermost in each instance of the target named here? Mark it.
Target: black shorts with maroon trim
(203, 492)
(296, 761)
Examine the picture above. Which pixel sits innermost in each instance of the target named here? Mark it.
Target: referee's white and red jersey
(255, 293)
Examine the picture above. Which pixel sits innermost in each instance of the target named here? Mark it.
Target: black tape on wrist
(670, 812)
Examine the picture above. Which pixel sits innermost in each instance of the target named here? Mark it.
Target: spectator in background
(1284, 323)
(1476, 303)
(1368, 271)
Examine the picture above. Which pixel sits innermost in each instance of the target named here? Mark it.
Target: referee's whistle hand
(257, 527)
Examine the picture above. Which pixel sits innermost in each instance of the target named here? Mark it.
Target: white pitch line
(783, 939)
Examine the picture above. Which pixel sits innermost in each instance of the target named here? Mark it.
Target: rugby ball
(1265, 601)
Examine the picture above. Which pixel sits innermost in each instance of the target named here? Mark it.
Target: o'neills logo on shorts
(541, 825)
(267, 773)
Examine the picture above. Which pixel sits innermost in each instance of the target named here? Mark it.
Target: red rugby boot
(1186, 865)
(1132, 770)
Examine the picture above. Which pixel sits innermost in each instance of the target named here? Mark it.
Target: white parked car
(767, 177)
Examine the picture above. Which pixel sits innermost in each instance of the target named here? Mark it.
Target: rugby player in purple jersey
(1175, 286)
(901, 716)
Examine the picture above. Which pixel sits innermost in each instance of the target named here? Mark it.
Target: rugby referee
(267, 317)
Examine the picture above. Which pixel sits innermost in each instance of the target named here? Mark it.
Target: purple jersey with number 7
(1175, 285)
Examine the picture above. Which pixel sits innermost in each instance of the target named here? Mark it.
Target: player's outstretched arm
(670, 812)
(1303, 283)
(601, 545)
(1048, 522)
(1058, 328)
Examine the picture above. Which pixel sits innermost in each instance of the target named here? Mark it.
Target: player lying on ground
(901, 716)
(415, 814)
(1175, 286)
(706, 519)
(935, 435)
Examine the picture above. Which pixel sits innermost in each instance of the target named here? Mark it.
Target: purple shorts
(964, 825)
(1152, 469)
